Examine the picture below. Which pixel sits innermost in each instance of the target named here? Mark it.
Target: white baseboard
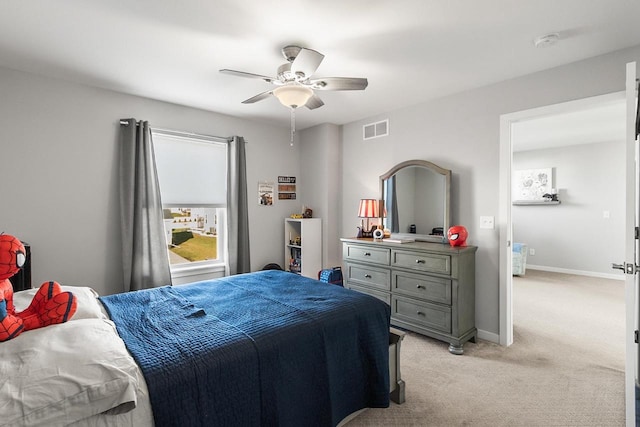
(612, 276)
(488, 336)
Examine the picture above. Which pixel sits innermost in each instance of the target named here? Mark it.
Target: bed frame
(395, 379)
(396, 383)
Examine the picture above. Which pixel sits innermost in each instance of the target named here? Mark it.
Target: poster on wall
(286, 196)
(265, 193)
(286, 188)
(532, 184)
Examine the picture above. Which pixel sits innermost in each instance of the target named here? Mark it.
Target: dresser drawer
(382, 296)
(367, 254)
(373, 277)
(422, 261)
(421, 286)
(420, 313)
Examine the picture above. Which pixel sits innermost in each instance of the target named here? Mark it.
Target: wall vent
(375, 130)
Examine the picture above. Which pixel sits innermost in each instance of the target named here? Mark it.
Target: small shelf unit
(303, 246)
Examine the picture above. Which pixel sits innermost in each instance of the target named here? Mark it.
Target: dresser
(429, 286)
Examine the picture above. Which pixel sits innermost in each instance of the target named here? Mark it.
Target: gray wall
(461, 133)
(574, 236)
(320, 147)
(58, 146)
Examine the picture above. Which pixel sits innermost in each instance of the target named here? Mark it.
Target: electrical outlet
(532, 251)
(487, 222)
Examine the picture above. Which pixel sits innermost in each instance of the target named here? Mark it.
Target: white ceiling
(410, 50)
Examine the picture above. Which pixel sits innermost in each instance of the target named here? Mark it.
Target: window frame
(219, 266)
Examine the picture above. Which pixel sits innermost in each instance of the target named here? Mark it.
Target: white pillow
(89, 307)
(63, 373)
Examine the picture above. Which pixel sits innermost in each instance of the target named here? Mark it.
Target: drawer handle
(420, 261)
(420, 287)
(420, 313)
(367, 276)
(367, 254)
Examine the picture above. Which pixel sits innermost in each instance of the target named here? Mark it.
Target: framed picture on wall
(265, 193)
(286, 187)
(532, 184)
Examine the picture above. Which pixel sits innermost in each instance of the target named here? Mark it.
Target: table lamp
(369, 208)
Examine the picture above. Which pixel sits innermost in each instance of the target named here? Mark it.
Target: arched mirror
(416, 196)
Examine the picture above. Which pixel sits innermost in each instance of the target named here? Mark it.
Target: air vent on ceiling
(375, 130)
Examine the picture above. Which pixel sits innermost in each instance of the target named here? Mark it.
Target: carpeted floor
(565, 368)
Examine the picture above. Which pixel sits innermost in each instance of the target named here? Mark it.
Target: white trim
(631, 281)
(191, 136)
(186, 270)
(612, 276)
(488, 336)
(192, 274)
(505, 262)
(504, 218)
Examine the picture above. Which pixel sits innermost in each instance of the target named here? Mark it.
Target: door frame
(504, 212)
(631, 245)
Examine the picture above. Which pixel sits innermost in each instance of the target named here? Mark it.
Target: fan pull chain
(293, 125)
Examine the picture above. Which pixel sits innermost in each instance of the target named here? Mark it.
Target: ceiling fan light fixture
(293, 95)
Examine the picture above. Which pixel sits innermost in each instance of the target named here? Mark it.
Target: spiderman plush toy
(49, 305)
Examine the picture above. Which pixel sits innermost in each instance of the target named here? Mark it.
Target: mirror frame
(446, 173)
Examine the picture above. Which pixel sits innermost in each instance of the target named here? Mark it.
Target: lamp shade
(369, 208)
(293, 95)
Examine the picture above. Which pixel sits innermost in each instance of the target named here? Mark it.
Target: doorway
(508, 123)
(576, 159)
(566, 190)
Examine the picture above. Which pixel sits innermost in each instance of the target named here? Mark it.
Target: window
(192, 173)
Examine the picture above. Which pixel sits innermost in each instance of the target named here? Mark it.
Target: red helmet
(12, 256)
(457, 235)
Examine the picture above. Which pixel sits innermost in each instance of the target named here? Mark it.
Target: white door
(631, 249)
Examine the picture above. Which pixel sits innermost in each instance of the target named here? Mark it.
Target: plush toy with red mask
(457, 235)
(49, 305)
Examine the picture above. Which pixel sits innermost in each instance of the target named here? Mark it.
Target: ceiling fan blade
(340, 83)
(258, 97)
(249, 75)
(306, 63)
(314, 102)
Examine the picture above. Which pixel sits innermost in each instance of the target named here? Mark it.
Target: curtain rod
(180, 133)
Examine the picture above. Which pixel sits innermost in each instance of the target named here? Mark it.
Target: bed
(265, 348)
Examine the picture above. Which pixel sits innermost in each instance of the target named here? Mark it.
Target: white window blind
(191, 172)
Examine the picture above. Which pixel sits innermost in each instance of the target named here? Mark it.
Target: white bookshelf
(308, 251)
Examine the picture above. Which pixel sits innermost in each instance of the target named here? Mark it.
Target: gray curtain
(238, 208)
(144, 248)
(391, 201)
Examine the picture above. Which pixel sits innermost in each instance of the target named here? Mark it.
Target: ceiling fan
(295, 85)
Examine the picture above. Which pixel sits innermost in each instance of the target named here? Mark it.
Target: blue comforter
(262, 349)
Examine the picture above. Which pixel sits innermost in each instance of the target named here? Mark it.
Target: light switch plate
(487, 222)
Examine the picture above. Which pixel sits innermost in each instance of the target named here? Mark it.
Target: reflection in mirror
(416, 196)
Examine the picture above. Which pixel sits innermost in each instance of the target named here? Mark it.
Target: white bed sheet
(77, 373)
